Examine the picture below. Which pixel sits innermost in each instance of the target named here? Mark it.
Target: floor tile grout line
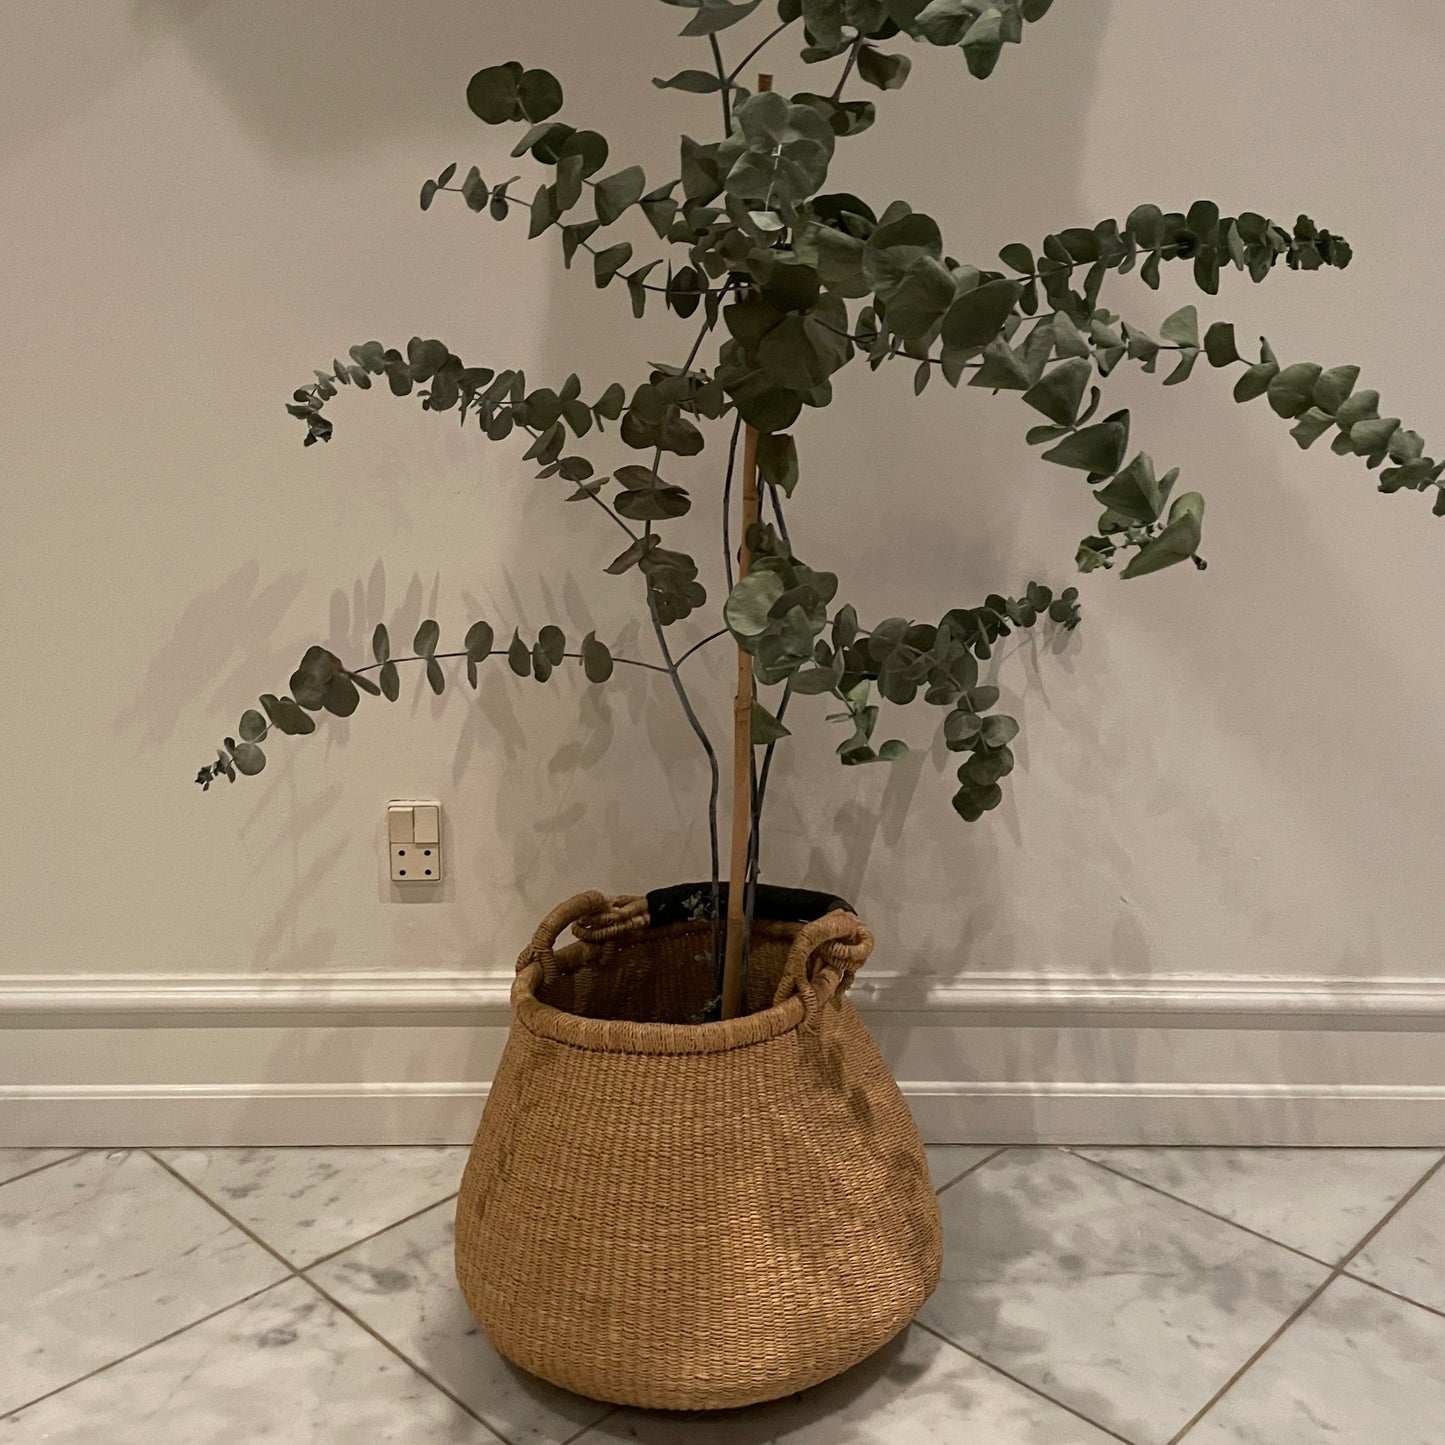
(1199, 1208)
(1002, 1149)
(1393, 1293)
(376, 1233)
(270, 1249)
(1335, 1273)
(223, 1212)
(1405, 1198)
(149, 1345)
(406, 1359)
(296, 1272)
(41, 1168)
(1022, 1383)
(587, 1429)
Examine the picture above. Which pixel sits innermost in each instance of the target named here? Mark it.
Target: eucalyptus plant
(783, 284)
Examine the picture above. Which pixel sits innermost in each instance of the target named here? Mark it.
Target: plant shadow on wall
(337, 76)
(777, 264)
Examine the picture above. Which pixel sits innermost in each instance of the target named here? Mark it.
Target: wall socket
(414, 841)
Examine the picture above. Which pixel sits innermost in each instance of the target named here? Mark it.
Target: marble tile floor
(1218, 1296)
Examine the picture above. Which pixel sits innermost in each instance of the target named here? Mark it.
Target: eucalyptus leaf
(749, 603)
(1178, 541)
(519, 656)
(596, 659)
(248, 758)
(1060, 392)
(1098, 448)
(616, 193)
(427, 636)
(765, 728)
(977, 316)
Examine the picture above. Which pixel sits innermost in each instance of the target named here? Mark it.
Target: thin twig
(698, 646)
(778, 513)
(848, 68)
(768, 39)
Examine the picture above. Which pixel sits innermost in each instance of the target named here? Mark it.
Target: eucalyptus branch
(324, 683)
(507, 202)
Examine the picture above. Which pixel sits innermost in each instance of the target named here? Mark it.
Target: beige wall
(1234, 772)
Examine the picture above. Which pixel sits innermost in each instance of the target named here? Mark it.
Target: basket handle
(822, 961)
(613, 916)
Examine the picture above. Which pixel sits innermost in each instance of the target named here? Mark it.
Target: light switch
(424, 823)
(400, 823)
(413, 836)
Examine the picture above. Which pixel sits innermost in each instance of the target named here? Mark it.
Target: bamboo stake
(735, 947)
(732, 990)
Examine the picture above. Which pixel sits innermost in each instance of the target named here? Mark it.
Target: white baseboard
(55, 1001)
(405, 1058)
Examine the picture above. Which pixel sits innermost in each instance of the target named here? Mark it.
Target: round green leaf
(596, 659)
(340, 696)
(493, 96)
(654, 504)
(999, 730)
(478, 641)
(252, 725)
(540, 94)
(553, 642)
(248, 758)
(961, 730)
(427, 635)
(748, 604)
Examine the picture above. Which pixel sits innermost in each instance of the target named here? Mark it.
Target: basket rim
(625, 1036)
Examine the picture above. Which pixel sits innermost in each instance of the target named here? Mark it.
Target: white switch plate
(413, 840)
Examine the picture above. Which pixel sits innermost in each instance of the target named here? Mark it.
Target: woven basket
(692, 1216)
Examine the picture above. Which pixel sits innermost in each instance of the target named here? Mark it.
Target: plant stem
(848, 68)
(768, 39)
(715, 786)
(727, 503)
(700, 732)
(724, 83)
(778, 513)
(698, 646)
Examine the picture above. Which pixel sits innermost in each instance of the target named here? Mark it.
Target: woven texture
(692, 1216)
